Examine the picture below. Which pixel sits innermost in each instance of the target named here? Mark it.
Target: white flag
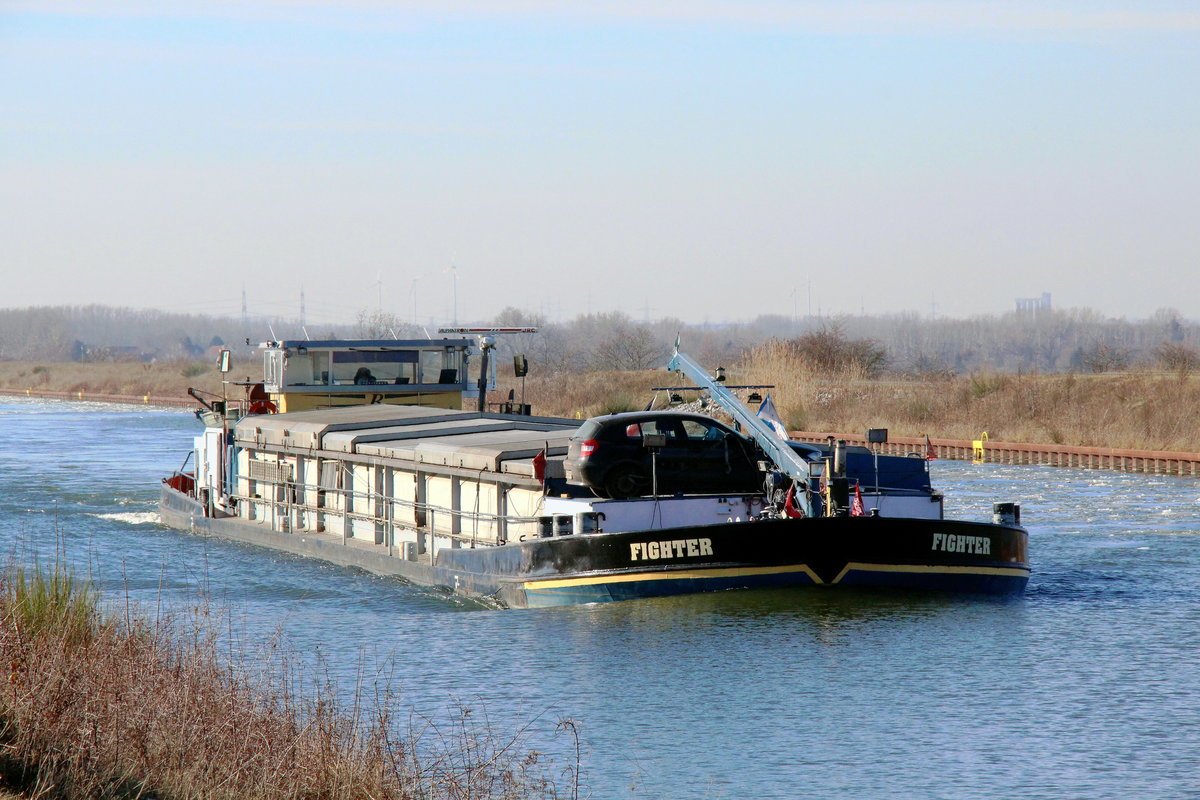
(769, 415)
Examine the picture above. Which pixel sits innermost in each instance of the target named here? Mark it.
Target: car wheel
(624, 481)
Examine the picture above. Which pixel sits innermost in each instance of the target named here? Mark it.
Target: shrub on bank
(101, 706)
(1150, 411)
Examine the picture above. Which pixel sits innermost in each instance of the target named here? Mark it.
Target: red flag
(857, 509)
(539, 466)
(930, 453)
(789, 507)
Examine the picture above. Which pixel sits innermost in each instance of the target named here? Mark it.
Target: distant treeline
(1074, 340)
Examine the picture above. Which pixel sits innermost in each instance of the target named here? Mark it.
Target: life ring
(262, 407)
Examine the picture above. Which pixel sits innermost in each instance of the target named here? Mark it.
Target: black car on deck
(697, 454)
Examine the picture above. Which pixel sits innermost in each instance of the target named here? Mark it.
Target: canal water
(1088, 686)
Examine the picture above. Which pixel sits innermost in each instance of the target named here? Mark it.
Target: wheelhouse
(299, 375)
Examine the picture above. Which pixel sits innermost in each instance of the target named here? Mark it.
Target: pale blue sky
(690, 158)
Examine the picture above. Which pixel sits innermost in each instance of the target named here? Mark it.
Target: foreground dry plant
(102, 707)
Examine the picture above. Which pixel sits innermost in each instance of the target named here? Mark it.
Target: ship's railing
(281, 499)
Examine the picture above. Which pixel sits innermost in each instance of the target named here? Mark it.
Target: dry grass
(100, 707)
(1141, 410)
(162, 379)
(1128, 410)
(1153, 411)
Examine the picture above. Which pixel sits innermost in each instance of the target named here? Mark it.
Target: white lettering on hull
(953, 543)
(676, 548)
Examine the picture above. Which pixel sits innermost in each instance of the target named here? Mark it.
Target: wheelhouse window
(373, 367)
(272, 369)
(441, 366)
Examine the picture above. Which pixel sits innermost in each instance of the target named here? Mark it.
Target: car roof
(628, 417)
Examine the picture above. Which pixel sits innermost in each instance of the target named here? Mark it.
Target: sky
(709, 160)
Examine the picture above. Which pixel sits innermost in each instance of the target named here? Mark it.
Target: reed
(43, 602)
(1130, 409)
(160, 379)
(1140, 410)
(124, 706)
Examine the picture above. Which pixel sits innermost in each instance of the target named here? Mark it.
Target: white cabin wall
(480, 498)
(440, 497)
(525, 503)
(404, 496)
(361, 484)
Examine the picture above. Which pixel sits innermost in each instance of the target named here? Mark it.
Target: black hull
(843, 551)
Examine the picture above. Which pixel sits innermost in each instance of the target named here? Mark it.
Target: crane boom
(785, 458)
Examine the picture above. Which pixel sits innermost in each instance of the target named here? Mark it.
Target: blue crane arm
(787, 460)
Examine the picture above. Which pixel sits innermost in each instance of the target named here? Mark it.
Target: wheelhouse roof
(364, 344)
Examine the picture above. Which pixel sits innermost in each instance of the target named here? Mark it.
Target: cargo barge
(477, 503)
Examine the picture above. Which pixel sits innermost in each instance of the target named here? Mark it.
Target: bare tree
(1177, 358)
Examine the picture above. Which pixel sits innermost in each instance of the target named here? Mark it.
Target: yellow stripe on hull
(681, 574)
(914, 569)
(737, 572)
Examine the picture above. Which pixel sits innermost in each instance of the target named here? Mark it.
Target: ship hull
(901, 553)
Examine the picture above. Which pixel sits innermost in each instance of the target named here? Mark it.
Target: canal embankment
(80, 395)
(982, 449)
(985, 450)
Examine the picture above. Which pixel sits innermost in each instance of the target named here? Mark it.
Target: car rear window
(587, 430)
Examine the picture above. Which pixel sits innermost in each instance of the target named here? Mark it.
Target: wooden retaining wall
(1164, 462)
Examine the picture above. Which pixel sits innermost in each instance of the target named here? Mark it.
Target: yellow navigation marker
(978, 455)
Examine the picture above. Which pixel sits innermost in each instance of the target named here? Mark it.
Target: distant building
(111, 352)
(1033, 305)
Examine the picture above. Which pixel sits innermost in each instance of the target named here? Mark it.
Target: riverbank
(126, 705)
(166, 383)
(1151, 411)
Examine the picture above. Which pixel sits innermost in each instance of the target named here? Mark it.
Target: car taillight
(587, 447)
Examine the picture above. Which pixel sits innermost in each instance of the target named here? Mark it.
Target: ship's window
(298, 370)
(441, 366)
(431, 365)
(320, 368)
(272, 367)
(382, 367)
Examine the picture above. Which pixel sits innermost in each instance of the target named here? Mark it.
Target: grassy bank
(1140, 410)
(165, 379)
(120, 706)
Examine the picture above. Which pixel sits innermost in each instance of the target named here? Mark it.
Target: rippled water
(1088, 686)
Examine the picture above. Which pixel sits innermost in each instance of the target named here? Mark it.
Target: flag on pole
(857, 509)
(769, 415)
(930, 453)
(539, 467)
(789, 503)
